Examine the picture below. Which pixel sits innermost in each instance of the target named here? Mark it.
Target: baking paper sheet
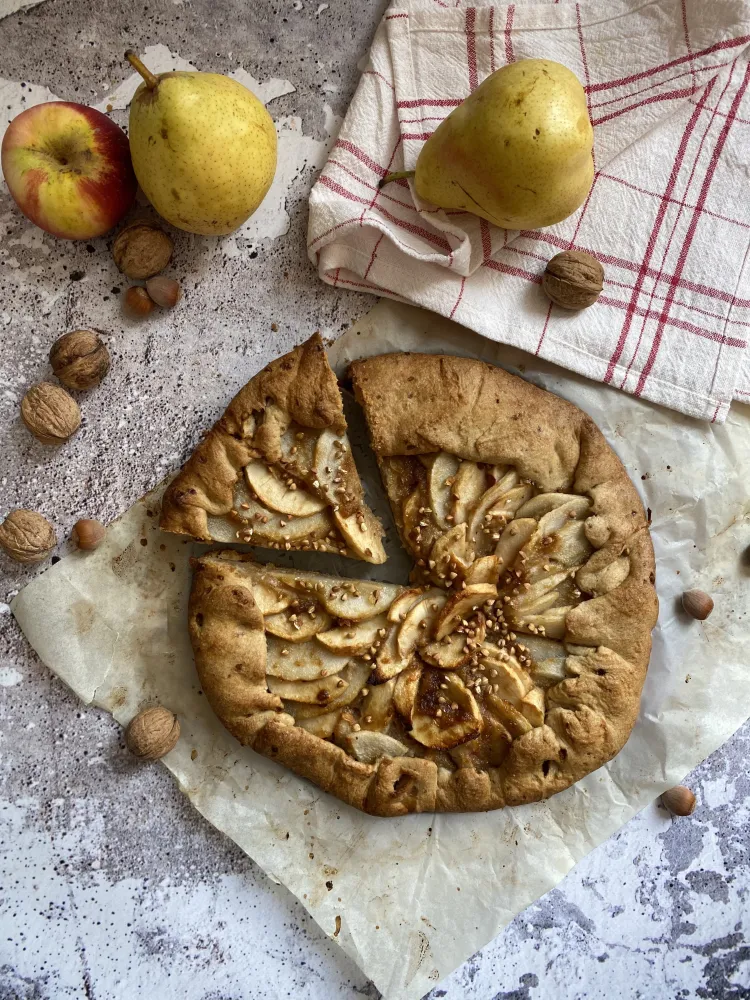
(410, 899)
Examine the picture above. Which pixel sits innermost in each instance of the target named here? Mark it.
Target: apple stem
(151, 80)
(398, 175)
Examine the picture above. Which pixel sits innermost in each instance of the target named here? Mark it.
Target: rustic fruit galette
(513, 663)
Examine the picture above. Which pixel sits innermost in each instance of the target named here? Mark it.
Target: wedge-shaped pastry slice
(277, 470)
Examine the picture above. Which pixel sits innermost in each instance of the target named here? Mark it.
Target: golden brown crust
(419, 404)
(300, 384)
(422, 403)
(298, 392)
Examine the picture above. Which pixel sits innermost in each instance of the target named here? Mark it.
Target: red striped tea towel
(668, 87)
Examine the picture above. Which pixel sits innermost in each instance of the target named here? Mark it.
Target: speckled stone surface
(111, 885)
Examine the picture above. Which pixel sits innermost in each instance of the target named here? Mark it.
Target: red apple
(68, 168)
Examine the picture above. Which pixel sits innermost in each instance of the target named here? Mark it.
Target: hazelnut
(573, 279)
(137, 302)
(679, 800)
(142, 250)
(165, 292)
(50, 413)
(88, 534)
(79, 359)
(697, 604)
(152, 733)
(26, 536)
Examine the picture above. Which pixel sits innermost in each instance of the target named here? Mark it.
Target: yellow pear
(203, 148)
(518, 151)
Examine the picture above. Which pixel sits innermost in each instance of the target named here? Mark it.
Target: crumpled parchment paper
(410, 899)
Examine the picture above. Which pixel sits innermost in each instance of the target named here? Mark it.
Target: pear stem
(151, 80)
(398, 175)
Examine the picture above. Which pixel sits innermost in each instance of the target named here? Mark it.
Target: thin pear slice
(525, 609)
(297, 447)
(469, 484)
(376, 710)
(403, 603)
(512, 540)
(321, 726)
(334, 468)
(547, 660)
(439, 481)
(514, 721)
(362, 533)
(448, 655)
(417, 527)
(355, 676)
(533, 706)
(574, 510)
(420, 621)
(357, 601)
(496, 507)
(389, 662)
(369, 747)
(543, 503)
(451, 550)
(463, 605)
(297, 625)
(275, 494)
(484, 570)
(507, 679)
(439, 692)
(318, 692)
(269, 524)
(355, 638)
(552, 621)
(271, 600)
(546, 584)
(405, 691)
(301, 661)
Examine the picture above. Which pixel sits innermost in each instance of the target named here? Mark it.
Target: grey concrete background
(111, 886)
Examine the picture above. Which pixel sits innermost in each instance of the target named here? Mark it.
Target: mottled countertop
(111, 885)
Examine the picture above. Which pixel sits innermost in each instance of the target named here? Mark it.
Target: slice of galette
(277, 469)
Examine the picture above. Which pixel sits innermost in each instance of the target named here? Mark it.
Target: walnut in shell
(141, 250)
(50, 413)
(79, 359)
(152, 733)
(26, 536)
(573, 279)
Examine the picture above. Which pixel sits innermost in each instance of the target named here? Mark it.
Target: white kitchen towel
(668, 88)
